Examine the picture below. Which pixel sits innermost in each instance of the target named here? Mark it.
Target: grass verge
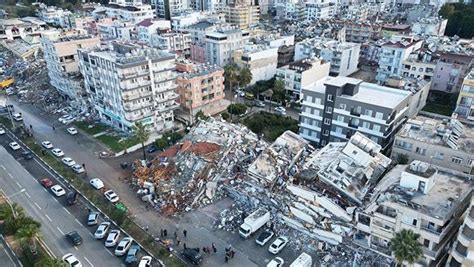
(270, 125)
(95, 129)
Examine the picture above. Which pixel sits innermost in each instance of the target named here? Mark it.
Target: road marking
(33, 178)
(88, 261)
(79, 222)
(109, 251)
(37, 205)
(60, 230)
(8, 254)
(28, 195)
(76, 248)
(67, 211)
(46, 215)
(11, 176)
(19, 185)
(3, 167)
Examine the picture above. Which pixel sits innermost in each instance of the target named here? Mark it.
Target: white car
(111, 196)
(102, 230)
(72, 131)
(17, 117)
(72, 260)
(64, 117)
(280, 109)
(96, 183)
(68, 162)
(57, 152)
(78, 168)
(112, 238)
(47, 144)
(278, 244)
(145, 261)
(123, 246)
(2, 131)
(276, 262)
(58, 190)
(69, 120)
(14, 145)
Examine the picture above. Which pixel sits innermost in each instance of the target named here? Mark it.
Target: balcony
(381, 249)
(167, 98)
(132, 75)
(355, 112)
(133, 107)
(353, 124)
(172, 106)
(132, 96)
(132, 86)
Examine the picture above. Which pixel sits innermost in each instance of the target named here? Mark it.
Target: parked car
(47, 144)
(96, 183)
(93, 218)
(264, 237)
(123, 246)
(151, 149)
(78, 168)
(260, 104)
(68, 161)
(112, 238)
(27, 155)
(46, 182)
(72, 260)
(74, 238)
(132, 254)
(58, 190)
(193, 255)
(102, 230)
(68, 120)
(111, 196)
(276, 262)
(71, 197)
(57, 152)
(17, 117)
(14, 145)
(145, 261)
(63, 117)
(2, 131)
(278, 244)
(72, 131)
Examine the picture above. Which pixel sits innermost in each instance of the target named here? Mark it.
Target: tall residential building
(132, 11)
(334, 108)
(319, 10)
(300, 74)
(60, 53)
(446, 144)
(465, 103)
(178, 42)
(261, 60)
(450, 71)
(343, 56)
(12, 29)
(426, 200)
(244, 16)
(220, 44)
(420, 64)
(462, 251)
(128, 83)
(168, 8)
(429, 26)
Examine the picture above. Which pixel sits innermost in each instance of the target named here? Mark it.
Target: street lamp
(8, 200)
(17, 193)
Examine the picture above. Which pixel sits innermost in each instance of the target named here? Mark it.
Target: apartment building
(419, 90)
(392, 55)
(335, 108)
(261, 60)
(244, 16)
(178, 42)
(300, 74)
(200, 88)
(13, 29)
(429, 26)
(128, 83)
(450, 71)
(54, 15)
(462, 250)
(220, 44)
(465, 103)
(426, 200)
(420, 64)
(446, 144)
(343, 56)
(169, 8)
(320, 10)
(148, 27)
(60, 53)
(116, 29)
(132, 11)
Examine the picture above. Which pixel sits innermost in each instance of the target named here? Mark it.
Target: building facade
(261, 60)
(220, 44)
(244, 16)
(462, 251)
(465, 103)
(450, 71)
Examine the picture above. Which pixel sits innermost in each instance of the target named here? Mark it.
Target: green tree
(50, 262)
(141, 134)
(279, 94)
(245, 77)
(7, 212)
(27, 235)
(405, 247)
(200, 115)
(231, 74)
(402, 159)
(237, 109)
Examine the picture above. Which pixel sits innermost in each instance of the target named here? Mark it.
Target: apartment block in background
(465, 103)
(261, 60)
(60, 53)
(420, 64)
(244, 16)
(450, 71)
(462, 250)
(132, 11)
(220, 44)
(127, 83)
(448, 144)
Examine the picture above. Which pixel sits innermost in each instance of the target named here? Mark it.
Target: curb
(10, 251)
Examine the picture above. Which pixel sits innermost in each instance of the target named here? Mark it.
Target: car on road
(17, 117)
(27, 155)
(151, 149)
(111, 196)
(96, 183)
(112, 238)
(68, 161)
(78, 168)
(132, 254)
(46, 182)
(123, 246)
(260, 104)
(102, 230)
(68, 120)
(71, 260)
(71, 197)
(278, 244)
(276, 262)
(57, 152)
(58, 190)
(14, 145)
(47, 144)
(72, 131)
(193, 255)
(2, 131)
(64, 117)
(74, 238)
(145, 261)
(92, 218)
(264, 237)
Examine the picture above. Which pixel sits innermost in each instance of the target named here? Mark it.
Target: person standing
(214, 248)
(185, 233)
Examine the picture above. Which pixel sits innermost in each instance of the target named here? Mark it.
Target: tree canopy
(460, 19)
(405, 246)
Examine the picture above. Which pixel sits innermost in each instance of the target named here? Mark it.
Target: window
(438, 155)
(327, 121)
(470, 162)
(317, 101)
(426, 243)
(307, 110)
(339, 130)
(340, 118)
(330, 98)
(365, 125)
(379, 115)
(329, 110)
(368, 112)
(375, 139)
(376, 127)
(323, 142)
(316, 112)
(456, 160)
(326, 132)
(421, 151)
(309, 98)
(403, 145)
(342, 106)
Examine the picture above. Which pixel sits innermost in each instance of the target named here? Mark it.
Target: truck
(254, 221)
(303, 260)
(6, 83)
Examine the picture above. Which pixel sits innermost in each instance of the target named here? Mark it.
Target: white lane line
(8, 254)
(32, 178)
(28, 195)
(67, 211)
(79, 222)
(109, 251)
(60, 230)
(88, 261)
(19, 185)
(3, 167)
(46, 215)
(10, 175)
(36, 204)
(76, 248)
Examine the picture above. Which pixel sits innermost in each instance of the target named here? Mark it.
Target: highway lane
(56, 220)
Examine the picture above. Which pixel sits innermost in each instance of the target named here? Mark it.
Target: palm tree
(245, 76)
(27, 235)
(9, 212)
(141, 134)
(231, 74)
(405, 247)
(50, 262)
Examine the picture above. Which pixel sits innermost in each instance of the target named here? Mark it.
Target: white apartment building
(179, 42)
(220, 44)
(462, 251)
(244, 16)
(11, 29)
(148, 27)
(301, 74)
(115, 29)
(343, 56)
(132, 11)
(316, 11)
(392, 55)
(419, 65)
(262, 61)
(169, 8)
(127, 83)
(55, 15)
(60, 53)
(429, 26)
(426, 200)
(465, 103)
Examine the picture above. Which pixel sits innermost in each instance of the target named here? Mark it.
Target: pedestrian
(165, 233)
(146, 228)
(226, 259)
(161, 232)
(185, 233)
(54, 129)
(204, 249)
(83, 165)
(43, 152)
(175, 235)
(178, 241)
(208, 250)
(214, 247)
(184, 245)
(232, 253)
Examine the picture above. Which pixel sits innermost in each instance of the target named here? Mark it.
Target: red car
(46, 182)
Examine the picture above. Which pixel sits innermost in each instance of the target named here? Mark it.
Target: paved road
(54, 218)
(7, 259)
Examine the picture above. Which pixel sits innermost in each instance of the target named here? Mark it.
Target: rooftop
(321, 43)
(200, 70)
(448, 133)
